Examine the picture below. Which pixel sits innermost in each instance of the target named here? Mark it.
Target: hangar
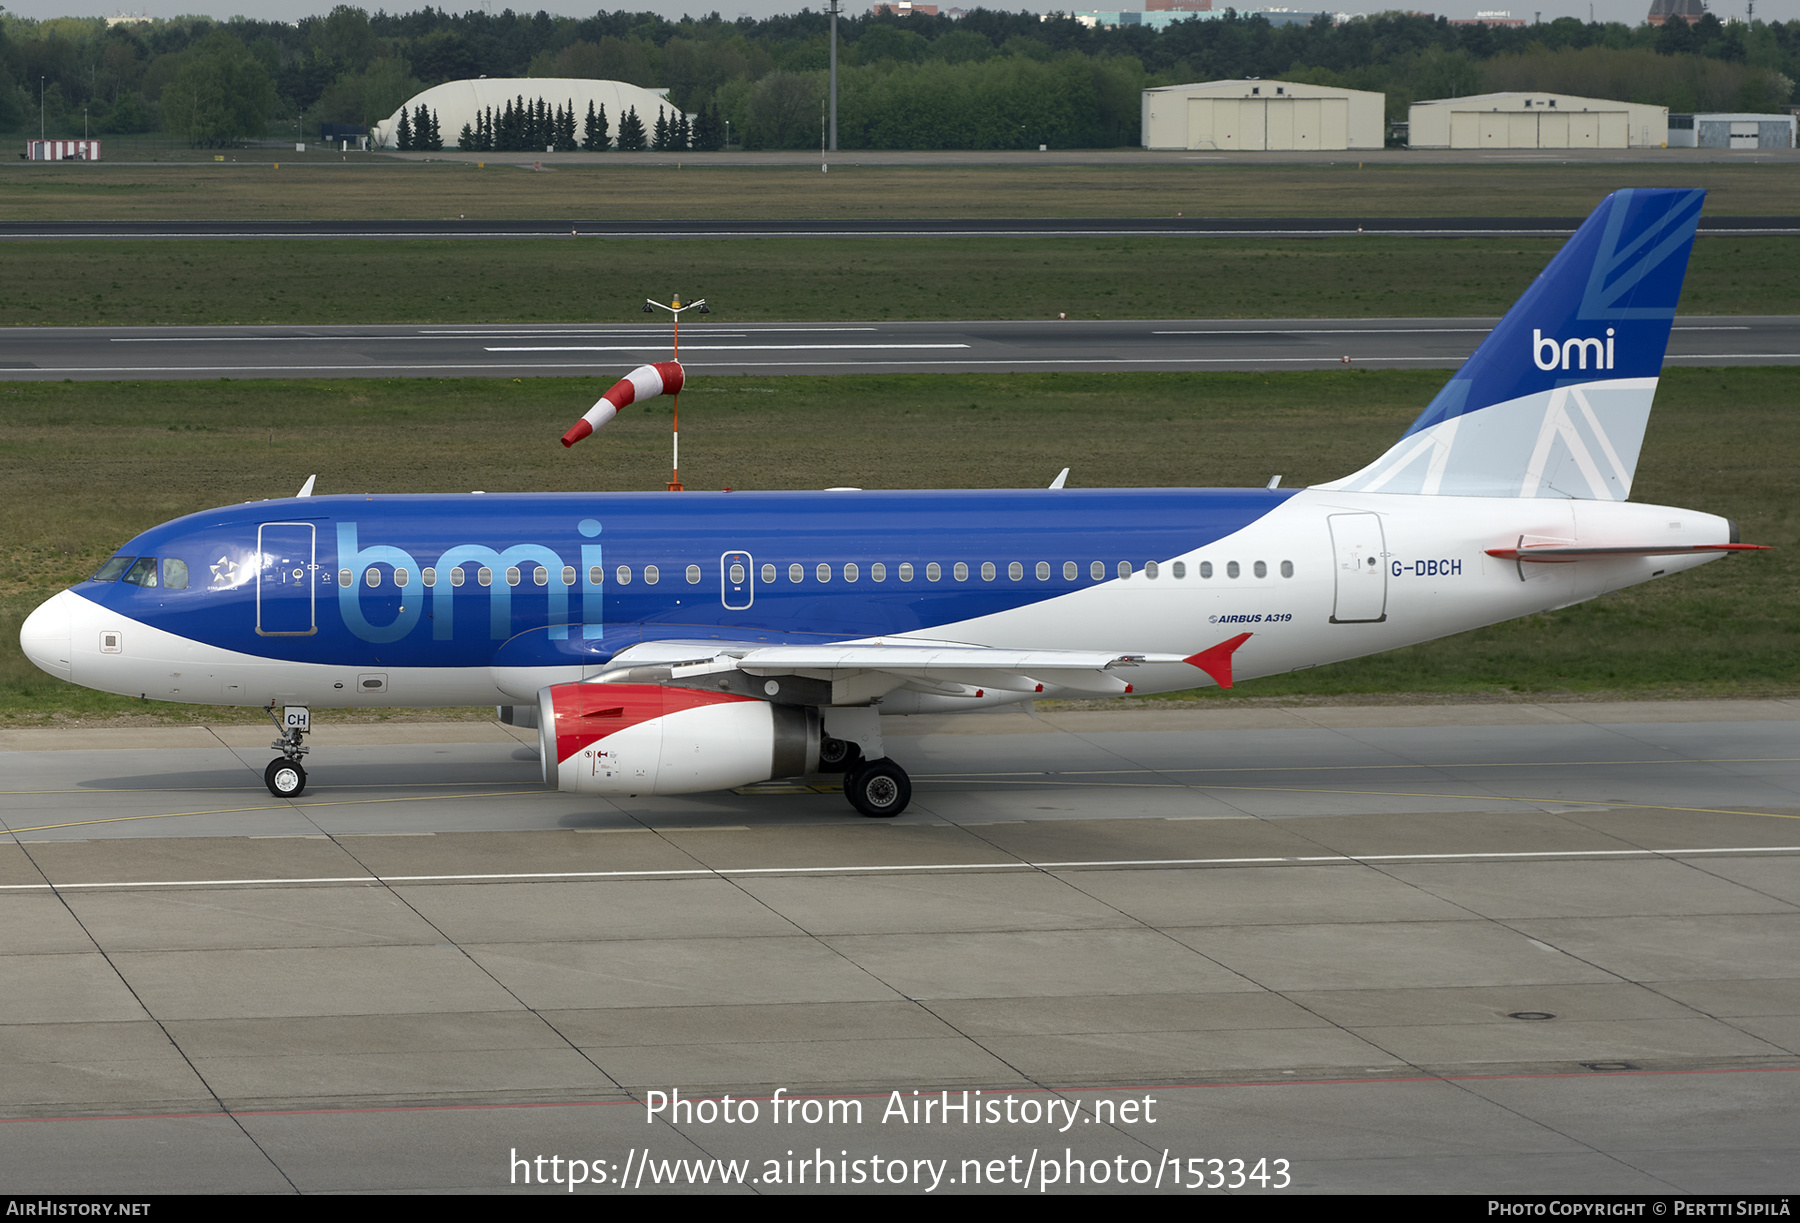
(1536, 121)
(458, 102)
(1744, 131)
(1251, 114)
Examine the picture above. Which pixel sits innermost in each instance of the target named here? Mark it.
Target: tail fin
(1554, 402)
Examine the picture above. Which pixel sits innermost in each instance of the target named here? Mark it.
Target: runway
(1507, 948)
(921, 227)
(724, 348)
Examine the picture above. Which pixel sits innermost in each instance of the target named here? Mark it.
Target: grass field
(83, 466)
(319, 186)
(542, 280)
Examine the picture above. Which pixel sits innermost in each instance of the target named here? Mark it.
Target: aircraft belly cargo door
(1357, 548)
(285, 579)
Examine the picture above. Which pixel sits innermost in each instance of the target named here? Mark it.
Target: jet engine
(648, 739)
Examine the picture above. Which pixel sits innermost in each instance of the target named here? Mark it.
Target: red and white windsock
(644, 382)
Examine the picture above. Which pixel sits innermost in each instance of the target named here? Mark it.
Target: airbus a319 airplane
(670, 644)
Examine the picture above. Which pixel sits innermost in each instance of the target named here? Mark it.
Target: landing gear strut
(284, 776)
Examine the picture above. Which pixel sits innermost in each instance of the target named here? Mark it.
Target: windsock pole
(675, 400)
(675, 308)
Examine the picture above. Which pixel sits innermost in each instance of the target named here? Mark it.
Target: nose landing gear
(285, 777)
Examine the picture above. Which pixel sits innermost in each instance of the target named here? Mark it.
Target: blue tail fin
(1554, 402)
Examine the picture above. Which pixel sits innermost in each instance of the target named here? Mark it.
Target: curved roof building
(458, 102)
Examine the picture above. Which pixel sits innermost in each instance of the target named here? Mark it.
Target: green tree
(631, 132)
(221, 95)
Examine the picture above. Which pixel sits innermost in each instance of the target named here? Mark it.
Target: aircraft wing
(851, 672)
(933, 667)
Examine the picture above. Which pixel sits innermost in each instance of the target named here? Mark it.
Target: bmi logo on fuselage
(1571, 353)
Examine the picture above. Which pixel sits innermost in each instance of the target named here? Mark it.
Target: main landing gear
(877, 788)
(284, 776)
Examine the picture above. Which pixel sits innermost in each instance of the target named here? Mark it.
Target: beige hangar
(1536, 121)
(1230, 116)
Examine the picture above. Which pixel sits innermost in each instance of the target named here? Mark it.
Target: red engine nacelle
(646, 739)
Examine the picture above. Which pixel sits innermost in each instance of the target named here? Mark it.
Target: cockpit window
(143, 573)
(110, 571)
(175, 573)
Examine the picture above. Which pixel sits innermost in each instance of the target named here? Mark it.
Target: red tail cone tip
(581, 430)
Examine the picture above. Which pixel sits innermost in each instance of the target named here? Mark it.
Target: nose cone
(45, 635)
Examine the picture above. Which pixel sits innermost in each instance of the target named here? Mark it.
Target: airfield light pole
(676, 309)
(834, 16)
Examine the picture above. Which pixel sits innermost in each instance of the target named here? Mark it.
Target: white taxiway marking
(732, 347)
(918, 867)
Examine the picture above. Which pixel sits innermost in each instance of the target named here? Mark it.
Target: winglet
(1060, 477)
(306, 489)
(1216, 660)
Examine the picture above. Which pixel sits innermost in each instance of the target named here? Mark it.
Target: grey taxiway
(719, 347)
(1526, 948)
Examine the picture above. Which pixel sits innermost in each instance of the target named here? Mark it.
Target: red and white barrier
(644, 382)
(62, 150)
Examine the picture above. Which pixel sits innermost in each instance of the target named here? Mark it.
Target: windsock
(644, 382)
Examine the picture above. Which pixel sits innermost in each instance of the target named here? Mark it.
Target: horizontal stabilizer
(1563, 554)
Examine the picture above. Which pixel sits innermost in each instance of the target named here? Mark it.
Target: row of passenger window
(822, 572)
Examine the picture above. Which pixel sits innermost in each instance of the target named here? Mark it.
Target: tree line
(989, 80)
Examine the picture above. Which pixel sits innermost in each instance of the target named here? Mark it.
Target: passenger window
(851, 572)
(651, 575)
(822, 571)
(1015, 571)
(1043, 571)
(768, 574)
(512, 575)
(371, 576)
(623, 574)
(693, 575)
(1097, 571)
(1231, 569)
(1287, 569)
(933, 572)
(143, 573)
(110, 571)
(1179, 568)
(402, 577)
(987, 571)
(737, 574)
(596, 575)
(796, 572)
(906, 571)
(1070, 571)
(429, 575)
(485, 576)
(457, 576)
(878, 572)
(1150, 570)
(1261, 570)
(568, 575)
(175, 574)
(1124, 569)
(1205, 569)
(961, 571)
